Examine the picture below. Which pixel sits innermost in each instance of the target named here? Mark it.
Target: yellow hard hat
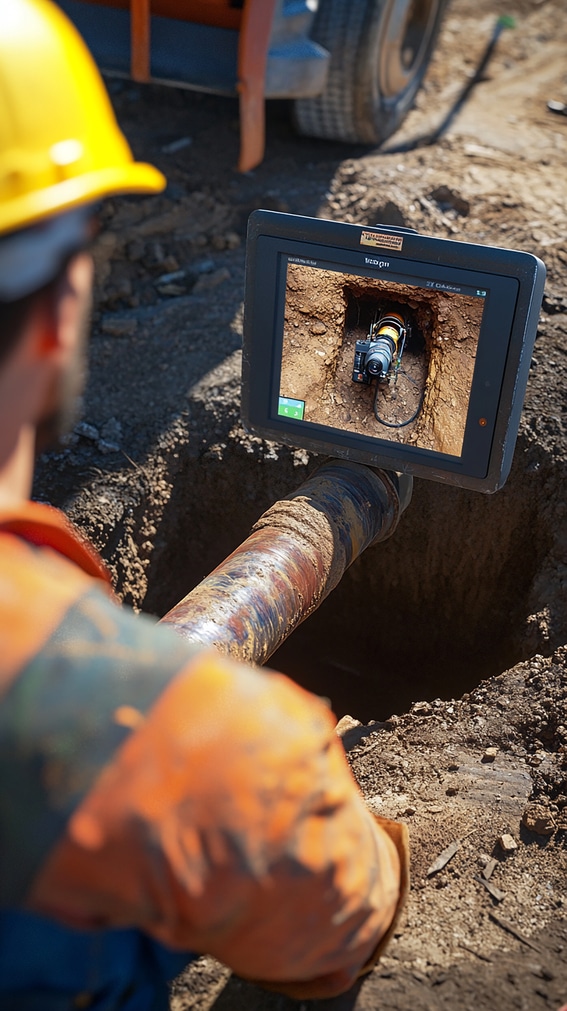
(60, 144)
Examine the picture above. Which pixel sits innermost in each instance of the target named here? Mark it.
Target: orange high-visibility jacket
(159, 787)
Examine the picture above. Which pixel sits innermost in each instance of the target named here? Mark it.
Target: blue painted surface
(194, 56)
(201, 57)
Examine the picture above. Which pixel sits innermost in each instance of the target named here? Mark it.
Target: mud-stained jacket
(159, 801)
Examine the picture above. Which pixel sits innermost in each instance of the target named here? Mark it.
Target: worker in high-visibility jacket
(157, 801)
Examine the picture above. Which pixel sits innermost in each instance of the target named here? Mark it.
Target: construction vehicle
(351, 67)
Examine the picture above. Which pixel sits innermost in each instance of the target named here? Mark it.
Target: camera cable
(397, 424)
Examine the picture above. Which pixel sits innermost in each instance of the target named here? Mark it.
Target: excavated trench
(462, 591)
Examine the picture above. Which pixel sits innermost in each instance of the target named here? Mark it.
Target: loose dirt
(468, 596)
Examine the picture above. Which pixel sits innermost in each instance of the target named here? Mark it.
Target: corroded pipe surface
(296, 554)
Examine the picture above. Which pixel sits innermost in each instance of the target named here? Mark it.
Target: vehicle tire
(379, 50)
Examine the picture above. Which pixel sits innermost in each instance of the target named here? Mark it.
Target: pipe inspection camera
(378, 345)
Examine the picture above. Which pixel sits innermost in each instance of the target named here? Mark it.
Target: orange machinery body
(249, 28)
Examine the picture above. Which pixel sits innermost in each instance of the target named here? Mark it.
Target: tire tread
(351, 109)
(339, 27)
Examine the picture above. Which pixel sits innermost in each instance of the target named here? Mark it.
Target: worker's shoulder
(45, 565)
(38, 585)
(57, 611)
(31, 571)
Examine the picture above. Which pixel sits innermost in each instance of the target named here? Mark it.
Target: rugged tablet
(383, 346)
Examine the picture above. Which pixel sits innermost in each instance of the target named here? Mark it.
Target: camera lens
(379, 356)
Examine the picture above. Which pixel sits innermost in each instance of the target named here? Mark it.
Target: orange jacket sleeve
(228, 822)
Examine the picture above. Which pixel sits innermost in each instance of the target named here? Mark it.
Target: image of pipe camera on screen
(380, 357)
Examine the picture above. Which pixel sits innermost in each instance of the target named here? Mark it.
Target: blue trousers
(48, 967)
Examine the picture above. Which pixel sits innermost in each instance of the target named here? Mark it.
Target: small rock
(119, 326)
(507, 843)
(204, 267)
(490, 754)
(447, 199)
(346, 723)
(175, 275)
(208, 281)
(543, 972)
(318, 327)
(232, 240)
(422, 708)
(409, 811)
(172, 290)
(351, 732)
(87, 431)
(69, 439)
(107, 447)
(452, 791)
(111, 430)
(537, 818)
(300, 458)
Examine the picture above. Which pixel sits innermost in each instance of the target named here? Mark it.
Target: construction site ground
(446, 644)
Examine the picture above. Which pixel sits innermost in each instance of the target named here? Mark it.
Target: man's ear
(58, 317)
(70, 305)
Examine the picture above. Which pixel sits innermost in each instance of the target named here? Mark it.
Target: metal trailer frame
(253, 49)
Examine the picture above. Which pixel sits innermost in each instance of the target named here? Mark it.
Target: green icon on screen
(291, 408)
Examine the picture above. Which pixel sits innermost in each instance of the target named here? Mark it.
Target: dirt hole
(385, 343)
(445, 603)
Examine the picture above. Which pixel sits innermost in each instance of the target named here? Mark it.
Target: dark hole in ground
(430, 613)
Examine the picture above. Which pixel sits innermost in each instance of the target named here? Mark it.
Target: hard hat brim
(30, 208)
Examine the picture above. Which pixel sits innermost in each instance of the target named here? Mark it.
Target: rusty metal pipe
(296, 554)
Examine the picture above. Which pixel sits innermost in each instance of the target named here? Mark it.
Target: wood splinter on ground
(492, 890)
(511, 929)
(443, 858)
(446, 855)
(488, 869)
